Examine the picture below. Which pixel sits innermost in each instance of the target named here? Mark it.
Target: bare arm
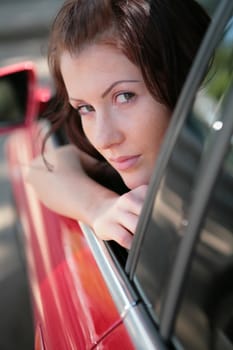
(69, 191)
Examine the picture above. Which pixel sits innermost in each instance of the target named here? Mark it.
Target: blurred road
(23, 36)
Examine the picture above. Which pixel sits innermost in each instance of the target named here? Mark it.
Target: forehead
(97, 63)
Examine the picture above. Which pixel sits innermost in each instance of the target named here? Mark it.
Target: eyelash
(129, 96)
(79, 108)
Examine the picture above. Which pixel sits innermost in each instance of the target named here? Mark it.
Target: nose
(108, 131)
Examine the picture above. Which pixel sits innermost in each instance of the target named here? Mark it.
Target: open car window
(151, 263)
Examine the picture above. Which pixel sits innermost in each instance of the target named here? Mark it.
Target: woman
(118, 68)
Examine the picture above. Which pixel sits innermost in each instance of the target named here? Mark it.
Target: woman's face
(119, 116)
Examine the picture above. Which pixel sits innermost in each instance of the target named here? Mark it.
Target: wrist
(99, 207)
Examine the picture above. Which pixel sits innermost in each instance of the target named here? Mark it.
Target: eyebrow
(106, 92)
(116, 83)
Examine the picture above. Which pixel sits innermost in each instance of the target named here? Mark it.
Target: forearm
(82, 196)
(67, 190)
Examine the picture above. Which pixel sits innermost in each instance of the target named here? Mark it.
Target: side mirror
(20, 96)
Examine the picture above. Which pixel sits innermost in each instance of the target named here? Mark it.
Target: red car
(174, 289)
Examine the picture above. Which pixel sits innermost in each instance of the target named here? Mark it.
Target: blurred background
(24, 27)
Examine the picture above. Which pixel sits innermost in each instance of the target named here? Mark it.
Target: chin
(135, 181)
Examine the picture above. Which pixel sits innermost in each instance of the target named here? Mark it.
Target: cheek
(161, 128)
(87, 129)
(155, 124)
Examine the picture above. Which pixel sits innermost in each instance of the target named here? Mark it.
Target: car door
(72, 306)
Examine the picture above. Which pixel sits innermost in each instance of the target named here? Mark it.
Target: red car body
(72, 306)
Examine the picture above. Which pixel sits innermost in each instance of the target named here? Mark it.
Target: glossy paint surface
(113, 340)
(72, 305)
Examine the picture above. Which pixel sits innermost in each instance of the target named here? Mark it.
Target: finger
(123, 237)
(140, 192)
(118, 234)
(129, 221)
(133, 200)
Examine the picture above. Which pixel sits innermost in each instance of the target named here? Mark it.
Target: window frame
(204, 189)
(185, 102)
(183, 106)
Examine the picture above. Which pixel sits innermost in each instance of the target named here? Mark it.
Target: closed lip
(124, 162)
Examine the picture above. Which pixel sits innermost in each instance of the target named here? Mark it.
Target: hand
(118, 217)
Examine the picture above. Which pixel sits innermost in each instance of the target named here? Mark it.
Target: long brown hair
(160, 36)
